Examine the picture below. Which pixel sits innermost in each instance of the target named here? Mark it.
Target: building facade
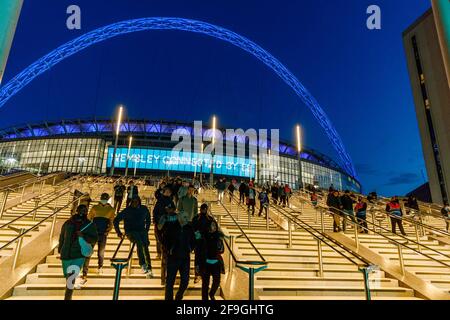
(87, 146)
(431, 93)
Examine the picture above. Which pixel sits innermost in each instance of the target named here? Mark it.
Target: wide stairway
(293, 270)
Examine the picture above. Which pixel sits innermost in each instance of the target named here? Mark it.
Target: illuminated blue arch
(162, 23)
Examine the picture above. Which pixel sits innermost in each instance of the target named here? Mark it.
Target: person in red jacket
(394, 209)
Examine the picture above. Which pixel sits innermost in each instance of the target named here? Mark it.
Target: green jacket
(189, 205)
(69, 247)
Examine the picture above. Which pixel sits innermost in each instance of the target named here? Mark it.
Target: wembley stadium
(87, 146)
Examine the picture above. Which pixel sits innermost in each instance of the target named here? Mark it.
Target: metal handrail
(54, 194)
(248, 239)
(405, 218)
(28, 182)
(346, 216)
(57, 195)
(307, 227)
(247, 266)
(365, 267)
(39, 223)
(119, 264)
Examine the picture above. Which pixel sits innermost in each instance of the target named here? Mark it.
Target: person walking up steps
(137, 221)
(251, 198)
(119, 190)
(69, 248)
(242, 191)
(102, 215)
(263, 202)
(132, 192)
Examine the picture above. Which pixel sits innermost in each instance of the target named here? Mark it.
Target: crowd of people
(180, 227)
(248, 194)
(347, 206)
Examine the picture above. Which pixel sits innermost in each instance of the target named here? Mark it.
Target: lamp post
(211, 175)
(128, 155)
(299, 150)
(119, 120)
(201, 167)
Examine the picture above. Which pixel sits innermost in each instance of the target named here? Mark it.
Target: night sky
(358, 76)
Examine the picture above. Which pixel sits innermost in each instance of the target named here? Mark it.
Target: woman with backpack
(212, 263)
(78, 234)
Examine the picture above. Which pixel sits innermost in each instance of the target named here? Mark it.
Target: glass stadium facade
(86, 146)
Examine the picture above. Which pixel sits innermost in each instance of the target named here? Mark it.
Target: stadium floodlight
(299, 150)
(119, 121)
(128, 155)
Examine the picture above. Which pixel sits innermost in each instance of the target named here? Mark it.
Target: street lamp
(299, 150)
(211, 176)
(128, 155)
(201, 166)
(119, 120)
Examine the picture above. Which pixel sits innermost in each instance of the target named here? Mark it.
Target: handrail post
(119, 268)
(130, 262)
(321, 220)
(52, 230)
(230, 258)
(319, 250)
(32, 188)
(365, 273)
(417, 238)
(42, 186)
(267, 217)
(290, 233)
(5, 199)
(23, 193)
(237, 211)
(18, 248)
(355, 226)
(36, 201)
(249, 220)
(251, 283)
(400, 256)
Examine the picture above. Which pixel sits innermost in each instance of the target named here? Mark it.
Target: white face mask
(103, 201)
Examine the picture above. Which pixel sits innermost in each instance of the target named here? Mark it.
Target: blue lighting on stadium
(163, 23)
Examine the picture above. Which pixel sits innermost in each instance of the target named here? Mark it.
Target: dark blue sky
(357, 75)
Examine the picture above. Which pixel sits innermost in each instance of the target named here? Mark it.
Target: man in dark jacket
(242, 191)
(335, 206)
(132, 192)
(137, 221)
(347, 208)
(158, 211)
(201, 224)
(178, 243)
(160, 191)
(119, 190)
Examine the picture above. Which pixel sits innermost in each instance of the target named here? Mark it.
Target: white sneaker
(144, 269)
(149, 274)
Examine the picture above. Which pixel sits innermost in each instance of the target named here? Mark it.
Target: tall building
(426, 63)
(9, 15)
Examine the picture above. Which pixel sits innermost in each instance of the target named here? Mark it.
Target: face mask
(103, 201)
